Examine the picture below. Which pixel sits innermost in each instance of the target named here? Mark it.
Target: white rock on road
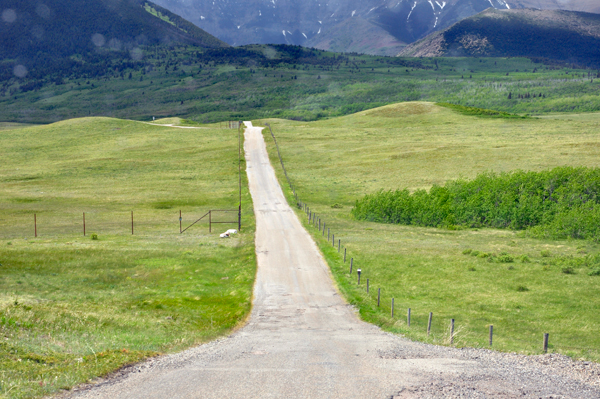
(304, 341)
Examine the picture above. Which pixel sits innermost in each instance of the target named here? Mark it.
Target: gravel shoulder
(304, 341)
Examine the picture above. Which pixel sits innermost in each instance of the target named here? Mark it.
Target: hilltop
(549, 34)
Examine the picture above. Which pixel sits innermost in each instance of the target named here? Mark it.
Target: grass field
(74, 307)
(415, 145)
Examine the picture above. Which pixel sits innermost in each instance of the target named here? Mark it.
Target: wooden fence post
(429, 323)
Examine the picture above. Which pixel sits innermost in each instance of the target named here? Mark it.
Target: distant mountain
(34, 30)
(567, 5)
(369, 26)
(551, 34)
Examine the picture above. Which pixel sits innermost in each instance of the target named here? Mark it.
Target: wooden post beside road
(429, 323)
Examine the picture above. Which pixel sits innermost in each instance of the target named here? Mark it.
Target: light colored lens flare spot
(20, 71)
(43, 11)
(98, 40)
(9, 16)
(136, 54)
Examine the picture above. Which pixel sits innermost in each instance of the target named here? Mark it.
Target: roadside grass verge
(72, 307)
(522, 286)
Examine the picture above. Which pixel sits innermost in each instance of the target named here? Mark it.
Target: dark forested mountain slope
(556, 35)
(49, 29)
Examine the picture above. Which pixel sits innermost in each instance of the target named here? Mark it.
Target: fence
(211, 221)
(317, 222)
(230, 124)
(46, 224)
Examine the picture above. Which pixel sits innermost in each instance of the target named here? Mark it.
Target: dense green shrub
(558, 203)
(472, 111)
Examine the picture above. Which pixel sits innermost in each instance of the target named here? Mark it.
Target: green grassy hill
(73, 307)
(523, 286)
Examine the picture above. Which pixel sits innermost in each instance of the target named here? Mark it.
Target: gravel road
(304, 341)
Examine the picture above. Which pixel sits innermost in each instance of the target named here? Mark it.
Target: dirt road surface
(304, 341)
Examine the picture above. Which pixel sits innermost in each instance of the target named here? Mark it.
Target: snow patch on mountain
(411, 10)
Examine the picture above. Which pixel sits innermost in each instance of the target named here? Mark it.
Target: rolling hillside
(555, 35)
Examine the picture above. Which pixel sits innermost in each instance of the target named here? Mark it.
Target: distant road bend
(304, 341)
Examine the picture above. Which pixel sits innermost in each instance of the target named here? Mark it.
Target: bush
(525, 259)
(94, 237)
(545, 254)
(594, 272)
(467, 251)
(559, 203)
(472, 111)
(568, 270)
(505, 259)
